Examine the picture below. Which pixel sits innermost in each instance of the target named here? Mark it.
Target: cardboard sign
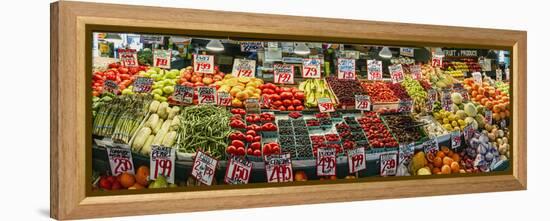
(416, 72)
(238, 171)
(468, 132)
(388, 164)
(244, 68)
(251, 46)
(183, 94)
(446, 101)
(362, 102)
(396, 73)
(207, 95)
(224, 98)
(374, 70)
(143, 85)
(465, 95)
(326, 162)
(128, 57)
(456, 139)
(499, 75)
(110, 86)
(356, 160)
(406, 152)
(120, 160)
(162, 58)
(283, 73)
(407, 52)
(488, 117)
(437, 61)
(477, 78)
(278, 168)
(252, 105)
(162, 163)
(346, 69)
(503, 124)
(204, 167)
(405, 106)
(325, 105)
(203, 63)
(430, 146)
(311, 68)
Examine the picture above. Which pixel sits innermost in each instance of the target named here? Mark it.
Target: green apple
(127, 91)
(158, 97)
(168, 89)
(157, 91)
(151, 71)
(171, 75)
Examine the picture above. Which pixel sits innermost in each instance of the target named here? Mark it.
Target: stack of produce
(120, 117)
(283, 98)
(378, 135)
(461, 115)
(240, 88)
(444, 161)
(455, 73)
(379, 92)
(436, 77)
(432, 127)
(503, 87)
(404, 128)
(122, 76)
(199, 79)
(490, 97)
(345, 90)
(499, 139)
(315, 89)
(416, 92)
(398, 90)
(455, 66)
(425, 84)
(163, 82)
(159, 129)
(480, 155)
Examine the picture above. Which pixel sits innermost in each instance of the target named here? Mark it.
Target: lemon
(461, 122)
(445, 120)
(454, 123)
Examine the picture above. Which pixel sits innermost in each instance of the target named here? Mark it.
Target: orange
(445, 150)
(438, 162)
(455, 157)
(446, 169)
(440, 154)
(436, 170)
(450, 153)
(142, 175)
(455, 167)
(127, 180)
(447, 161)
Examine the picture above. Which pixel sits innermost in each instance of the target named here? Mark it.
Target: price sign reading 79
(311, 68)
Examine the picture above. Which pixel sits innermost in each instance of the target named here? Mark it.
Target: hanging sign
(437, 61)
(488, 117)
(207, 95)
(244, 68)
(311, 68)
(128, 57)
(456, 139)
(416, 72)
(110, 86)
(408, 52)
(203, 63)
(224, 98)
(163, 162)
(388, 164)
(278, 168)
(162, 58)
(325, 105)
(204, 167)
(326, 162)
(356, 160)
(120, 160)
(362, 102)
(183, 94)
(346, 69)
(477, 78)
(396, 73)
(143, 85)
(283, 73)
(153, 39)
(374, 70)
(238, 171)
(251, 46)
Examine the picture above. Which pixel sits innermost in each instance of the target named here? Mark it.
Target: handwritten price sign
(283, 73)
(477, 78)
(251, 46)
(183, 94)
(346, 69)
(499, 74)
(446, 101)
(374, 70)
(162, 58)
(405, 106)
(224, 99)
(163, 162)
(326, 162)
(143, 85)
(325, 105)
(488, 117)
(408, 52)
(110, 86)
(128, 57)
(244, 68)
(396, 73)
(406, 152)
(431, 146)
(468, 132)
(238, 171)
(456, 140)
(356, 160)
(204, 168)
(388, 164)
(203, 63)
(416, 72)
(437, 61)
(207, 95)
(120, 160)
(278, 168)
(362, 102)
(311, 68)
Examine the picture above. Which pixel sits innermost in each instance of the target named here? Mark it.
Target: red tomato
(277, 103)
(237, 143)
(299, 108)
(282, 108)
(290, 108)
(299, 95)
(296, 102)
(249, 151)
(231, 149)
(275, 97)
(287, 103)
(257, 139)
(257, 153)
(275, 149)
(255, 145)
(240, 151)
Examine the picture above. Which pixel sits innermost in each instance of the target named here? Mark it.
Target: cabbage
(470, 110)
(456, 98)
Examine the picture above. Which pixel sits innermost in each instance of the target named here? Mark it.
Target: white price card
(430, 146)
(416, 72)
(110, 86)
(183, 94)
(143, 85)
(204, 168)
(162, 58)
(356, 160)
(162, 163)
(468, 132)
(325, 105)
(477, 78)
(396, 73)
(374, 70)
(488, 117)
(407, 52)
(499, 74)
(456, 139)
(283, 73)
(437, 61)
(206, 95)
(278, 168)
(326, 162)
(311, 68)
(128, 57)
(388, 164)
(405, 106)
(224, 98)
(244, 68)
(346, 69)
(120, 160)
(406, 152)
(251, 46)
(203, 63)
(362, 102)
(238, 171)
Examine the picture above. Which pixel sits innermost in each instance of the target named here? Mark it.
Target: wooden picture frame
(70, 22)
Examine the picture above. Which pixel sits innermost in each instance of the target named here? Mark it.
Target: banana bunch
(315, 89)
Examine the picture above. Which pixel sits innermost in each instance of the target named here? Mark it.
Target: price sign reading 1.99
(356, 160)
(203, 63)
(238, 171)
(396, 73)
(311, 68)
(204, 167)
(346, 69)
(362, 102)
(163, 162)
(206, 95)
(128, 57)
(162, 58)
(244, 68)
(326, 162)
(278, 168)
(374, 70)
(325, 105)
(388, 164)
(120, 160)
(283, 73)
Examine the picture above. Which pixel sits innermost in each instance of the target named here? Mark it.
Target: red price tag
(204, 167)
(374, 70)
(416, 72)
(244, 68)
(203, 63)
(311, 68)
(128, 57)
(283, 73)
(326, 162)
(206, 95)
(183, 94)
(346, 69)
(278, 168)
(224, 99)
(356, 160)
(437, 61)
(456, 140)
(325, 105)
(120, 160)
(388, 164)
(162, 58)
(362, 102)
(162, 163)
(396, 73)
(238, 171)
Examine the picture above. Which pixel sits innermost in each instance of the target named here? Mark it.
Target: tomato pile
(122, 76)
(283, 98)
(198, 78)
(379, 92)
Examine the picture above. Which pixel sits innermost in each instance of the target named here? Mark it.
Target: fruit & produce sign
(311, 68)
(326, 162)
(278, 168)
(120, 160)
(204, 168)
(388, 164)
(346, 69)
(163, 162)
(374, 70)
(203, 63)
(238, 171)
(244, 68)
(128, 57)
(356, 160)
(283, 73)
(162, 58)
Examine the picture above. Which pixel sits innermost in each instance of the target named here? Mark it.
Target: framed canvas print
(191, 111)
